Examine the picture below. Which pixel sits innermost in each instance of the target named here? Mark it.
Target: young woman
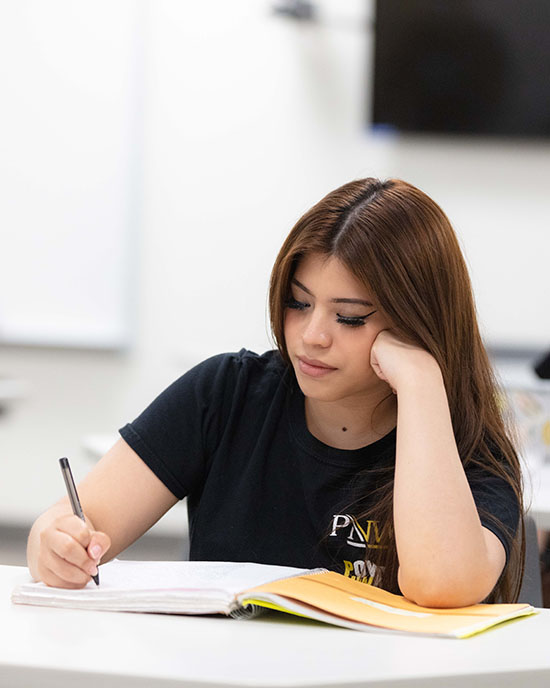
(370, 442)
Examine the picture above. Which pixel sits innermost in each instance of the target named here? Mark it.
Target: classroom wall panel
(70, 136)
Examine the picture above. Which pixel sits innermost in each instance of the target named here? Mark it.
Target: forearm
(442, 550)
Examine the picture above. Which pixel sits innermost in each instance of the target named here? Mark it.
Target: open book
(241, 589)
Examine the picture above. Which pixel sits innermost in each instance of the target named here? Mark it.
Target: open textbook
(241, 589)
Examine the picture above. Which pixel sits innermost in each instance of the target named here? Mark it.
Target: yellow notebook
(244, 589)
(335, 599)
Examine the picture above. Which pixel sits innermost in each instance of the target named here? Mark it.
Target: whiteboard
(69, 170)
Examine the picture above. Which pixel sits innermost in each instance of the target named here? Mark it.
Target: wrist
(422, 375)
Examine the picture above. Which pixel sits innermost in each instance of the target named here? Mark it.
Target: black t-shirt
(231, 436)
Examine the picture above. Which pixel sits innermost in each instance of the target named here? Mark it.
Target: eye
(296, 305)
(353, 321)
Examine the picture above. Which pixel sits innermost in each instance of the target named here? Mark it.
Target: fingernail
(95, 551)
(92, 570)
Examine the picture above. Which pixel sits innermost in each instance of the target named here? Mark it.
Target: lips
(314, 368)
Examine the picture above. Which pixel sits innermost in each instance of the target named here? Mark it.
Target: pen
(73, 496)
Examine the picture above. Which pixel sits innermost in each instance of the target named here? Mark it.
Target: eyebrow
(361, 302)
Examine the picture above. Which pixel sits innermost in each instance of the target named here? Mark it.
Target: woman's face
(330, 326)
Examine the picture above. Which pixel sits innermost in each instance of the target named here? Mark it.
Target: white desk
(68, 648)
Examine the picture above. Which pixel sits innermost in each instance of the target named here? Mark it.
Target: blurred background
(154, 155)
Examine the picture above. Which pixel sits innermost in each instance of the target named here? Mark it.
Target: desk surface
(63, 647)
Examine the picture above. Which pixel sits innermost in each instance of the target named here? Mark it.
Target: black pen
(73, 496)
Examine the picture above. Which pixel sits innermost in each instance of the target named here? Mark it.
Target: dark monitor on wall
(478, 67)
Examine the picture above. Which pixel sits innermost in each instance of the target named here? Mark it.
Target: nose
(317, 331)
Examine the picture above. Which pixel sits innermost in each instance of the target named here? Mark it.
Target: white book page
(122, 579)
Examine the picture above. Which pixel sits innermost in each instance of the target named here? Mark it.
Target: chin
(329, 390)
(320, 390)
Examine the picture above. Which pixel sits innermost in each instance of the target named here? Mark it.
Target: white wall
(248, 120)
(70, 133)
(252, 119)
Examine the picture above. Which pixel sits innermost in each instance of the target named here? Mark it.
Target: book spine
(250, 611)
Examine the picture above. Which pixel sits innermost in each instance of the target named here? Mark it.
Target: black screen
(462, 66)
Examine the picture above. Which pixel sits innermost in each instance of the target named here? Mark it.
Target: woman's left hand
(398, 363)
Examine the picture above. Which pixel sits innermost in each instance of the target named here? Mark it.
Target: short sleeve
(497, 505)
(178, 432)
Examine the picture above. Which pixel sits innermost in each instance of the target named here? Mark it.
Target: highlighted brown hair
(399, 243)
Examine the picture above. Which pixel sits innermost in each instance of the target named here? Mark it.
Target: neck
(351, 423)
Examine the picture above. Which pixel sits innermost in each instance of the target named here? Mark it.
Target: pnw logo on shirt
(363, 539)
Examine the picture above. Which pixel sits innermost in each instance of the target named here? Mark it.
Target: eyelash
(350, 321)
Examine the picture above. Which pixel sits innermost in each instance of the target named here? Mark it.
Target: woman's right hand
(61, 549)
(67, 551)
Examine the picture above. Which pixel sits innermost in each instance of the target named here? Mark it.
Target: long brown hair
(399, 243)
